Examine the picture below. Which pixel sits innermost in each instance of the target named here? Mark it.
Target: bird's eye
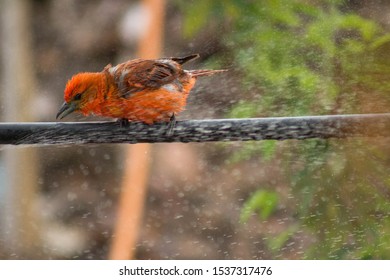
(77, 96)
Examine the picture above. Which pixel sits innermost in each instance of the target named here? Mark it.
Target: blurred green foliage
(297, 57)
(263, 202)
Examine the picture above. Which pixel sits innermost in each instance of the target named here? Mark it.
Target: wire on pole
(254, 129)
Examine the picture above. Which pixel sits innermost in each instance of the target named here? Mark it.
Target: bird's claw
(123, 122)
(171, 125)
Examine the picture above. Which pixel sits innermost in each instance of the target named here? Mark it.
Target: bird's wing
(138, 75)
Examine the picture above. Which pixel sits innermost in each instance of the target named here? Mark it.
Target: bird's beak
(66, 109)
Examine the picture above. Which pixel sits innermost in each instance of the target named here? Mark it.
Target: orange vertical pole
(132, 199)
(20, 223)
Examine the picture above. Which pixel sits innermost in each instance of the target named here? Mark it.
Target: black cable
(331, 126)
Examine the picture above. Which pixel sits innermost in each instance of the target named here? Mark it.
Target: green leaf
(262, 202)
(378, 42)
(275, 243)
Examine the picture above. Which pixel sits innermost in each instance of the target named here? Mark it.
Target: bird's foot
(123, 122)
(171, 125)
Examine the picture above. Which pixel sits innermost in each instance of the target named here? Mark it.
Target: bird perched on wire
(143, 90)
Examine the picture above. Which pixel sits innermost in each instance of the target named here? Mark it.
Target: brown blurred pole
(19, 224)
(132, 199)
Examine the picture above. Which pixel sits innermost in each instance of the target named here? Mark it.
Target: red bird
(142, 90)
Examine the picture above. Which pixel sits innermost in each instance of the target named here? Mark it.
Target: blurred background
(311, 199)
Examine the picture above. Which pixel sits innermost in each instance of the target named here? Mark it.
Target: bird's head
(80, 92)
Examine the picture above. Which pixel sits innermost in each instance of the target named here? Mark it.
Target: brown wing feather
(138, 75)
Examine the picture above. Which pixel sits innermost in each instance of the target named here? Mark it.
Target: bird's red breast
(138, 90)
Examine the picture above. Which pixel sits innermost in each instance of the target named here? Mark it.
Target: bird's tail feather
(204, 72)
(182, 60)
